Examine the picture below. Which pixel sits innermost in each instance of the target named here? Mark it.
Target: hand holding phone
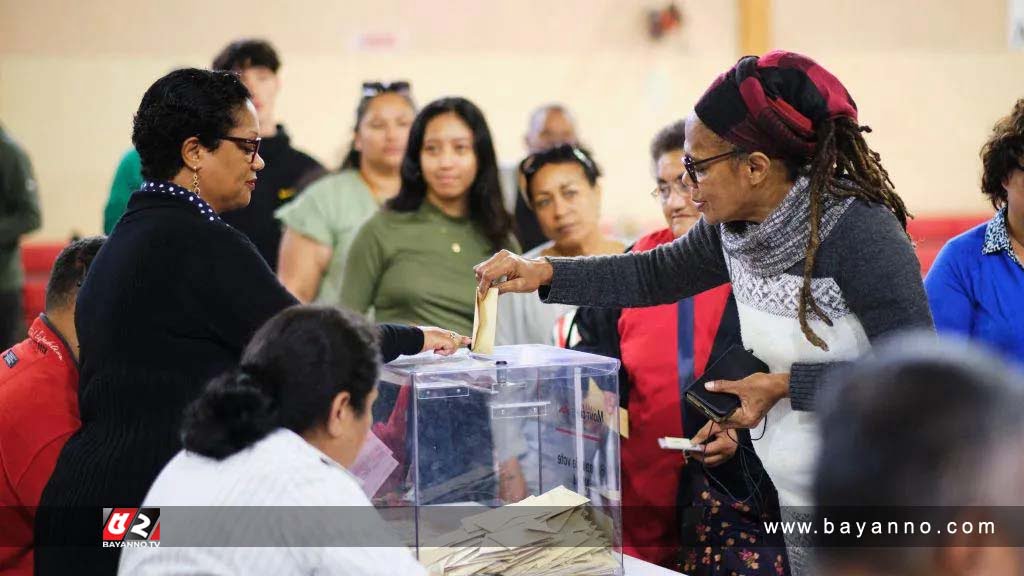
(736, 364)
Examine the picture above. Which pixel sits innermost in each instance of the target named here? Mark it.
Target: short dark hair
(184, 103)
(69, 271)
(561, 154)
(1002, 154)
(289, 374)
(671, 137)
(247, 53)
(886, 432)
(486, 210)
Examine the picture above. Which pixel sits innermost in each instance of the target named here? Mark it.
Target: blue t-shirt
(976, 289)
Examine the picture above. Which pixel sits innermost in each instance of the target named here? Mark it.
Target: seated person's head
(199, 129)
(310, 369)
(562, 190)
(676, 200)
(68, 273)
(256, 63)
(550, 125)
(923, 427)
(66, 278)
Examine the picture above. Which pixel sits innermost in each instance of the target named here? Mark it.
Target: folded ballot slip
(684, 444)
(485, 322)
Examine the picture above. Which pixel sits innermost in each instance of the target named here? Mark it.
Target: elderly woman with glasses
(560, 186)
(663, 349)
(170, 302)
(322, 222)
(799, 214)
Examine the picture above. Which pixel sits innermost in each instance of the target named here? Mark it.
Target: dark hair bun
(231, 414)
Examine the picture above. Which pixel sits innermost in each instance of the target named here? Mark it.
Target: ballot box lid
(523, 356)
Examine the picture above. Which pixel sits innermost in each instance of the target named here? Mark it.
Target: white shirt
(211, 522)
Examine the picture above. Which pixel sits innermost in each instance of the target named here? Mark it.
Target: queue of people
(214, 351)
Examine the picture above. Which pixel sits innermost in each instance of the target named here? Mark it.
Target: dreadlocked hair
(843, 165)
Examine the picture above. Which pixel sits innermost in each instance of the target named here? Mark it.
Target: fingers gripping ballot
(509, 272)
(719, 445)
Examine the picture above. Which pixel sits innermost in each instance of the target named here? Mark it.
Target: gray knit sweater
(866, 278)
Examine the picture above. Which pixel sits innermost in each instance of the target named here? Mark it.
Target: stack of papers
(552, 534)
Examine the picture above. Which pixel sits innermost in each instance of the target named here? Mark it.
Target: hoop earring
(195, 182)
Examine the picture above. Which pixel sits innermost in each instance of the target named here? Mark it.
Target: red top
(38, 413)
(649, 338)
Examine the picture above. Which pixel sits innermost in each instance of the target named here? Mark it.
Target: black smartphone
(736, 364)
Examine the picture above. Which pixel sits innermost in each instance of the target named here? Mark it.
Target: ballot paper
(553, 534)
(485, 321)
(374, 463)
(684, 444)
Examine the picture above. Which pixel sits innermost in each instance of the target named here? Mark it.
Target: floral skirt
(730, 539)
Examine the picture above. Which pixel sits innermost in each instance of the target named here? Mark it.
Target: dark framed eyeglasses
(691, 164)
(248, 145)
(371, 89)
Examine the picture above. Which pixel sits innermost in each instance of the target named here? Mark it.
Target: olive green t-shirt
(417, 268)
(330, 211)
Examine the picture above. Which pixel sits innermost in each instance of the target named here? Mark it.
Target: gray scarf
(773, 246)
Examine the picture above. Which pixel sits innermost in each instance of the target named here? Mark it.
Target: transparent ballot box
(514, 453)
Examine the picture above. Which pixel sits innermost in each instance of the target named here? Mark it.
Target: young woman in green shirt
(409, 262)
(321, 223)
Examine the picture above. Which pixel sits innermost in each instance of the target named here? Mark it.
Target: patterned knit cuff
(804, 380)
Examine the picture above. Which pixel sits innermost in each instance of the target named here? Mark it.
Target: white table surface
(637, 567)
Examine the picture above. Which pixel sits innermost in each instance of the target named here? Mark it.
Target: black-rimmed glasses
(371, 89)
(251, 145)
(691, 164)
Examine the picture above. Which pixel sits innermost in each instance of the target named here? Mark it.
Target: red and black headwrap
(774, 103)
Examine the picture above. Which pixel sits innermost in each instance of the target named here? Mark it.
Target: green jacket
(127, 179)
(19, 209)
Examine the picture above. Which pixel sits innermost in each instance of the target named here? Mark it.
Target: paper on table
(373, 464)
(485, 321)
(554, 534)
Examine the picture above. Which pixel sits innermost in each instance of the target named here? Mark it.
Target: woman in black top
(169, 303)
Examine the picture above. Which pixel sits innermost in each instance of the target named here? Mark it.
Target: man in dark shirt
(19, 215)
(256, 62)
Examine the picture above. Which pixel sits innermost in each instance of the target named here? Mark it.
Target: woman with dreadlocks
(801, 217)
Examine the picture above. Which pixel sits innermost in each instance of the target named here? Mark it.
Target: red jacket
(649, 347)
(38, 413)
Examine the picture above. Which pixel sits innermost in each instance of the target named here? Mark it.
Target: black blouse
(169, 302)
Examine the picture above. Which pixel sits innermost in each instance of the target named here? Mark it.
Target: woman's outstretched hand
(521, 274)
(441, 341)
